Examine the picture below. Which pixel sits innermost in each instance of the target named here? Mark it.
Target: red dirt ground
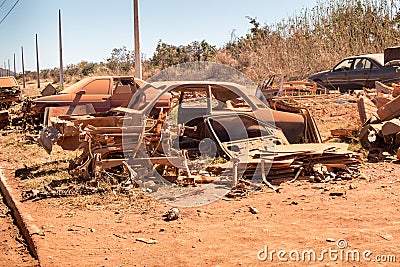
(12, 245)
(303, 217)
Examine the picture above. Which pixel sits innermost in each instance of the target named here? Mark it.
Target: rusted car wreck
(102, 92)
(9, 93)
(208, 131)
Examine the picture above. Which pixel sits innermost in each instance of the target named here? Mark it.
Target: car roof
(140, 82)
(174, 84)
(167, 86)
(8, 81)
(86, 80)
(379, 58)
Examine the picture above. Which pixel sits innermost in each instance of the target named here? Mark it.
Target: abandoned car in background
(102, 92)
(356, 72)
(9, 91)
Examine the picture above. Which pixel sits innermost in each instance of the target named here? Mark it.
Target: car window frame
(335, 69)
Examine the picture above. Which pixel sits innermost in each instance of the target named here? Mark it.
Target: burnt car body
(198, 111)
(195, 99)
(356, 72)
(102, 92)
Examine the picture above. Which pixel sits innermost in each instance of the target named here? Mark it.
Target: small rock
(329, 239)
(352, 186)
(171, 215)
(387, 237)
(338, 193)
(317, 187)
(253, 210)
(120, 236)
(147, 241)
(92, 230)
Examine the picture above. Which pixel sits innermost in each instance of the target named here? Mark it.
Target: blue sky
(92, 28)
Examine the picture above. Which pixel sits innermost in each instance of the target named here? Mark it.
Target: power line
(8, 13)
(3, 3)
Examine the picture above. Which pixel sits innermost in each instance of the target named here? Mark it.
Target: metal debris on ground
(379, 110)
(50, 192)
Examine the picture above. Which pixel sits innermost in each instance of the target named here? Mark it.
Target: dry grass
(35, 169)
(314, 39)
(330, 117)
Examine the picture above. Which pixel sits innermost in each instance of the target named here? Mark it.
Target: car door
(338, 78)
(359, 73)
(381, 73)
(97, 93)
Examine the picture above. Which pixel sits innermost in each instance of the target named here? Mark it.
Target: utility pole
(15, 68)
(138, 63)
(37, 63)
(60, 46)
(23, 67)
(9, 69)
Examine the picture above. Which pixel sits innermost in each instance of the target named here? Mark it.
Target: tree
(121, 61)
(167, 55)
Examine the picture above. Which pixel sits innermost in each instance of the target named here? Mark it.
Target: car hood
(318, 75)
(55, 98)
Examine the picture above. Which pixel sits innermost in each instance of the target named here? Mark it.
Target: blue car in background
(356, 72)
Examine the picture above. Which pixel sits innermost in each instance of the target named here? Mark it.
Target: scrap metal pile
(189, 144)
(379, 110)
